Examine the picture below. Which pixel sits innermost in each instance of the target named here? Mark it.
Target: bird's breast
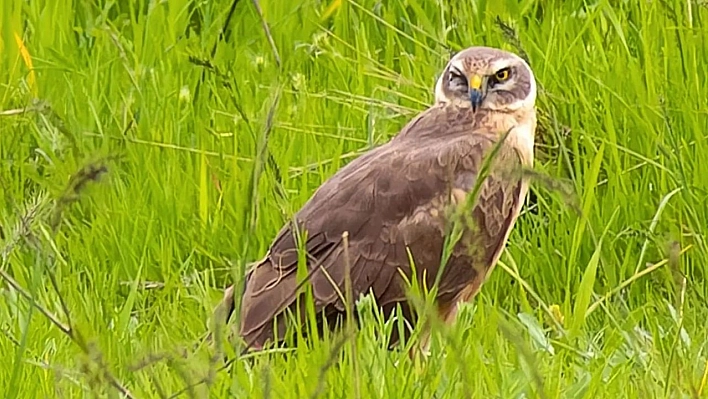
(521, 126)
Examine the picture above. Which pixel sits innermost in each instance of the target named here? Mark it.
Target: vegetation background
(150, 149)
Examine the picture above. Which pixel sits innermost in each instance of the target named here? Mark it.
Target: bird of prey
(395, 205)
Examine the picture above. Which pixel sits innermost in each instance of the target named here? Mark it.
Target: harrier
(396, 203)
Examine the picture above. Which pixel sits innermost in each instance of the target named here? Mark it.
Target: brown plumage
(399, 197)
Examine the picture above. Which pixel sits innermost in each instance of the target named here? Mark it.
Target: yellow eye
(502, 74)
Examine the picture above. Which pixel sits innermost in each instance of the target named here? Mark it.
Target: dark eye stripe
(456, 74)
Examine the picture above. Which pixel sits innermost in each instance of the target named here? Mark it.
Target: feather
(393, 199)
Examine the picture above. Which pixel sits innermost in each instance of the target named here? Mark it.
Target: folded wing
(392, 200)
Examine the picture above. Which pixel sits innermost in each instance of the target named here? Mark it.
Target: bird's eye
(457, 81)
(502, 74)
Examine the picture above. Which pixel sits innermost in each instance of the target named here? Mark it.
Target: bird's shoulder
(389, 199)
(440, 149)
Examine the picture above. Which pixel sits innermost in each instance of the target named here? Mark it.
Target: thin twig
(39, 211)
(65, 329)
(49, 315)
(223, 31)
(282, 305)
(222, 36)
(350, 309)
(512, 38)
(266, 29)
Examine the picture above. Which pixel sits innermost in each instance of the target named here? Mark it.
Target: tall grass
(148, 154)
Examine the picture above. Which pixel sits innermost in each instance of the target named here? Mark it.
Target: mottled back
(395, 198)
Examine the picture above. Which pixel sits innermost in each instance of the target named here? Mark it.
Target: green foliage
(147, 159)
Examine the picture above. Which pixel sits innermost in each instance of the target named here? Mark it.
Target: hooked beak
(476, 92)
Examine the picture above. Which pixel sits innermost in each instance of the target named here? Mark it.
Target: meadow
(152, 149)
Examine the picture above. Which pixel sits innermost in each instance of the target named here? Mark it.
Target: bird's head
(487, 78)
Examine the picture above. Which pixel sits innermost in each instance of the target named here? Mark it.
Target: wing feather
(392, 198)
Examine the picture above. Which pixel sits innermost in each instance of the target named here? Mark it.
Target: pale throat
(521, 125)
(523, 135)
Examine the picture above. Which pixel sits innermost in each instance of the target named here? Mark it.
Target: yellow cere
(476, 82)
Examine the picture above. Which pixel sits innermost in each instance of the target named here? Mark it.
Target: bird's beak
(476, 92)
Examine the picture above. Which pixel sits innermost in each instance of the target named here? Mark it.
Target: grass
(147, 157)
